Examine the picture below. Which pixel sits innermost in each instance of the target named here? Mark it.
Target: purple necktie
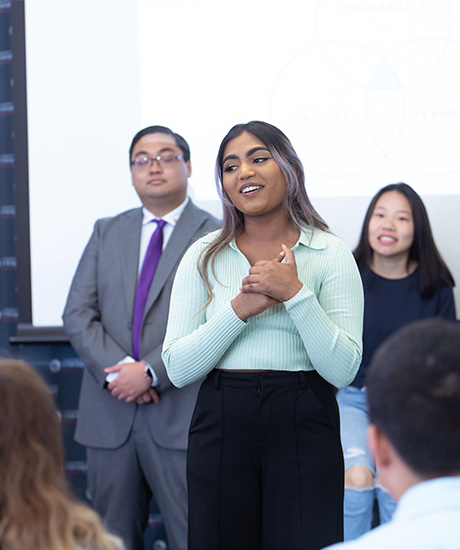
(149, 266)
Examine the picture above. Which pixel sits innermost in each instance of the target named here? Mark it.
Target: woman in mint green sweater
(269, 309)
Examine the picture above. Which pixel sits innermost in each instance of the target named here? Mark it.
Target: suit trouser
(122, 480)
(265, 463)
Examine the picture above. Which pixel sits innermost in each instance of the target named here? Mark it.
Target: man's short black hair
(180, 141)
(413, 389)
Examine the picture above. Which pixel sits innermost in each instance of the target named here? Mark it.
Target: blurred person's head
(36, 507)
(413, 390)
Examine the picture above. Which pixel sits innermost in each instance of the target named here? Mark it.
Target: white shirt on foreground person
(427, 518)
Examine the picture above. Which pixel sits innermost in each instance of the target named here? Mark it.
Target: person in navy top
(404, 279)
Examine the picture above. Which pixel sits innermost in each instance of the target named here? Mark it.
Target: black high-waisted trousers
(265, 465)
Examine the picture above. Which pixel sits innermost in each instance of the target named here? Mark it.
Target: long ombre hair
(37, 510)
(298, 206)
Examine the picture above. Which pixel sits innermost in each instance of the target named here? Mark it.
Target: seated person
(405, 279)
(36, 506)
(413, 389)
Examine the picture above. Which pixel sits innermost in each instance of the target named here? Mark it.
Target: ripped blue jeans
(354, 422)
(358, 503)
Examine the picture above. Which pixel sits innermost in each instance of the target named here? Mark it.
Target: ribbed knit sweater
(320, 328)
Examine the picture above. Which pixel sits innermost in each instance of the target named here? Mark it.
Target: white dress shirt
(427, 518)
(147, 230)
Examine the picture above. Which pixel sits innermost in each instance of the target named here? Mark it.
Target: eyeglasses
(163, 160)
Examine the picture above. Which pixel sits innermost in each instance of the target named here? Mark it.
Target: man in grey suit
(133, 422)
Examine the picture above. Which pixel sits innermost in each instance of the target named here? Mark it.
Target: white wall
(367, 91)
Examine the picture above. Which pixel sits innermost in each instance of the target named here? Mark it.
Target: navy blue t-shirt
(389, 304)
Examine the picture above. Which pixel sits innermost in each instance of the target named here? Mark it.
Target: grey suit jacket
(98, 320)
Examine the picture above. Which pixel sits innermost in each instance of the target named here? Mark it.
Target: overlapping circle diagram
(381, 95)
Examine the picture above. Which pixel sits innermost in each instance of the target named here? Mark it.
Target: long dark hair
(432, 267)
(298, 205)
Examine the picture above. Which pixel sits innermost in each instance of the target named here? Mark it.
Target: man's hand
(131, 383)
(150, 395)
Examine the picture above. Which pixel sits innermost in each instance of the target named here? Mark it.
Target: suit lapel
(129, 242)
(181, 238)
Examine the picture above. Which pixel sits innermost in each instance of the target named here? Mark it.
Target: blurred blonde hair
(37, 509)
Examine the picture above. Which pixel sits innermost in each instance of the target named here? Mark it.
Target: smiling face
(251, 178)
(161, 187)
(391, 227)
